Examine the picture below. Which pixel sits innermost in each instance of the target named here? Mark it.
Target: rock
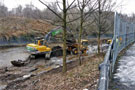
(26, 76)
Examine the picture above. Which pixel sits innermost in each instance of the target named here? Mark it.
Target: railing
(105, 69)
(124, 34)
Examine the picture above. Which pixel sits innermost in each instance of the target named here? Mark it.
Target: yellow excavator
(41, 46)
(109, 41)
(73, 47)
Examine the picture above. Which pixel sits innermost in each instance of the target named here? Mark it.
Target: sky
(127, 7)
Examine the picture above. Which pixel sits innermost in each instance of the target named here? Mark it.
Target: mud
(11, 77)
(15, 81)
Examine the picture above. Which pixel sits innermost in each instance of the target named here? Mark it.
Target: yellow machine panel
(36, 47)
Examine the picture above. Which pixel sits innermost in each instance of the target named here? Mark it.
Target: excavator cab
(39, 41)
(109, 41)
(84, 43)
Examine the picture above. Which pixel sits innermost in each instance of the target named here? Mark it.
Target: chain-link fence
(124, 34)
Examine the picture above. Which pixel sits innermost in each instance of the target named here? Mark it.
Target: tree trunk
(80, 36)
(99, 25)
(64, 37)
(98, 40)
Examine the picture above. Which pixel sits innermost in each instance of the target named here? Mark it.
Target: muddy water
(7, 55)
(124, 78)
(93, 49)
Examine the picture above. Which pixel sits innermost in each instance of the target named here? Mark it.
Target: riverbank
(77, 77)
(13, 78)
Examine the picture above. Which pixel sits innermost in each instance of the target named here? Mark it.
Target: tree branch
(51, 10)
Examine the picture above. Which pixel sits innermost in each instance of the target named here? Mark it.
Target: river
(124, 76)
(10, 54)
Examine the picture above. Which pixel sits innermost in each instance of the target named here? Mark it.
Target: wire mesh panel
(124, 34)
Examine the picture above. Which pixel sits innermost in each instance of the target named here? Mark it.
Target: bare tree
(63, 18)
(101, 16)
(85, 10)
(18, 11)
(47, 14)
(3, 11)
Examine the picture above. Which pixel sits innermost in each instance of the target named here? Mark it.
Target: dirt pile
(17, 26)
